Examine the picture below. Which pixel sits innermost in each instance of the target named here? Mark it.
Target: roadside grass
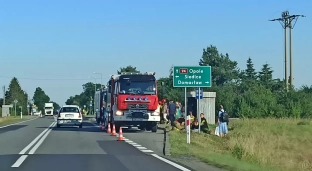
(12, 119)
(252, 145)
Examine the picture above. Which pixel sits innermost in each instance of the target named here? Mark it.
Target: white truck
(48, 109)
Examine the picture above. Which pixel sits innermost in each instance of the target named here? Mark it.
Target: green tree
(128, 68)
(15, 92)
(84, 98)
(250, 72)
(73, 100)
(223, 69)
(265, 76)
(55, 105)
(40, 98)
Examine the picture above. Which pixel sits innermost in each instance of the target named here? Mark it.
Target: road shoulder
(12, 120)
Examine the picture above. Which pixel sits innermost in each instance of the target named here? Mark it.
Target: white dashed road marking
(142, 148)
(136, 145)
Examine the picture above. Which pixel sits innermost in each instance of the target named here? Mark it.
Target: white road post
(188, 129)
(21, 112)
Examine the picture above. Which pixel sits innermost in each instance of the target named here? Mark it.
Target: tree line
(15, 92)
(245, 93)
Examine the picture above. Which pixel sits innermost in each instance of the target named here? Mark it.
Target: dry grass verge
(12, 119)
(253, 144)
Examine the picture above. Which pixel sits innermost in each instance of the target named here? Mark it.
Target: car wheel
(80, 126)
(58, 125)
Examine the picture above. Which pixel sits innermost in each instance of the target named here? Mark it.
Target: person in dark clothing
(195, 125)
(172, 111)
(204, 124)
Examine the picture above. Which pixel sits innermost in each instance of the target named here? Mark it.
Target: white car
(69, 115)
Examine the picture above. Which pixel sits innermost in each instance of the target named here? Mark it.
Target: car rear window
(70, 109)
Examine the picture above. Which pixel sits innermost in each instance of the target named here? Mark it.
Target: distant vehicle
(48, 109)
(69, 115)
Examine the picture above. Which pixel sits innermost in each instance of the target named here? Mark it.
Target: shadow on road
(11, 128)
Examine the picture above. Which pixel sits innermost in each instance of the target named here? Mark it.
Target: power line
(47, 79)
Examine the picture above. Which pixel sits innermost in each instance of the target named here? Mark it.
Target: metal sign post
(15, 101)
(90, 107)
(198, 96)
(28, 109)
(185, 106)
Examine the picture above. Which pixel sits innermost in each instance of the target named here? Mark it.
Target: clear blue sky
(73, 38)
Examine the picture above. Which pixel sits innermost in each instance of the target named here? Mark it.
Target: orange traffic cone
(114, 130)
(120, 137)
(109, 128)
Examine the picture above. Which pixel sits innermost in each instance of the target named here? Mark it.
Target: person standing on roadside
(222, 122)
(172, 108)
(164, 111)
(178, 112)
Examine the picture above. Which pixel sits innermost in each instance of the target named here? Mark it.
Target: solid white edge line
(35, 140)
(171, 163)
(18, 122)
(33, 150)
(19, 161)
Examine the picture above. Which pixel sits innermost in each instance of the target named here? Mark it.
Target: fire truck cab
(134, 101)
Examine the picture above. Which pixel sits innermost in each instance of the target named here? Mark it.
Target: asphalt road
(38, 145)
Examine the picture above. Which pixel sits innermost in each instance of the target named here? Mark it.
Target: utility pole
(3, 95)
(288, 21)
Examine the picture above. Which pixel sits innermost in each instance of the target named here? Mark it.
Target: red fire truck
(134, 101)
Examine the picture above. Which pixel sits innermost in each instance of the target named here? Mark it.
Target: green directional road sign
(191, 76)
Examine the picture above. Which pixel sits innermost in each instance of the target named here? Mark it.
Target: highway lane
(14, 138)
(71, 148)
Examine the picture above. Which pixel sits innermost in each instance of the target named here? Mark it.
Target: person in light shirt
(223, 130)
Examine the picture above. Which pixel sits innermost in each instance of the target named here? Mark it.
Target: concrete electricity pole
(288, 21)
(3, 95)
